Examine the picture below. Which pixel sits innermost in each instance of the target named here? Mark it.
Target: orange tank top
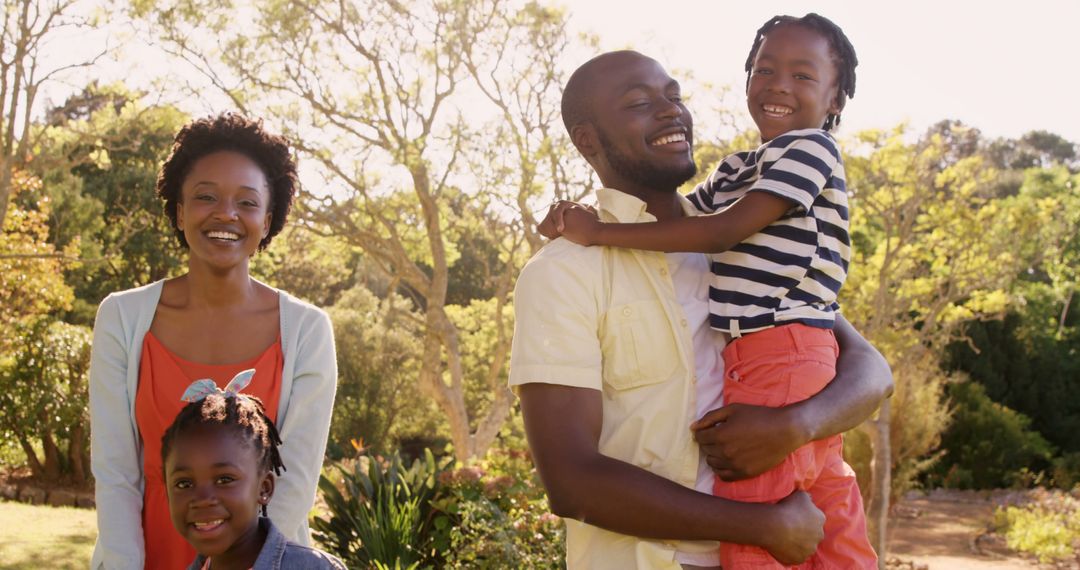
(163, 377)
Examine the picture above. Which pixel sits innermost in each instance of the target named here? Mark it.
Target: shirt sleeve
(556, 319)
(797, 166)
(305, 427)
(114, 447)
(714, 193)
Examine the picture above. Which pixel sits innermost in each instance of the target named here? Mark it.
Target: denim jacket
(280, 554)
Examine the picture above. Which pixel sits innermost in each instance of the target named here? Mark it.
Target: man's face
(644, 131)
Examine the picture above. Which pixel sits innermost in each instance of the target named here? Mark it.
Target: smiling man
(613, 360)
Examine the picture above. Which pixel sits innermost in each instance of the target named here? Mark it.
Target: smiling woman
(227, 187)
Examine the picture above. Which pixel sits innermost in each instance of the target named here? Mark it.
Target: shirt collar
(628, 209)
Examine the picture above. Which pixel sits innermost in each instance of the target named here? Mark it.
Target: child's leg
(774, 368)
(836, 493)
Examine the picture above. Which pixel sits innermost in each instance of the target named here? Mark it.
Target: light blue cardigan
(308, 384)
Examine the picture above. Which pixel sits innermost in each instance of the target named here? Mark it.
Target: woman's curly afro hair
(236, 133)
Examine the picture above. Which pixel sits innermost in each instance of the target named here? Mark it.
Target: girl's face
(792, 83)
(224, 209)
(216, 489)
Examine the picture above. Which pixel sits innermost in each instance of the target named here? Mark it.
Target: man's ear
(585, 139)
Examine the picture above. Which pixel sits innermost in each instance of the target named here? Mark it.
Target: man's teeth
(677, 137)
(223, 235)
(777, 110)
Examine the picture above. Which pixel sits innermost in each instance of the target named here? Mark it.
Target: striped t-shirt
(792, 270)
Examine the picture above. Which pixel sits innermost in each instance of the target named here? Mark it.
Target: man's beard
(643, 172)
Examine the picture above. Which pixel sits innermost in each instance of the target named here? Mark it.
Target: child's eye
(762, 71)
(182, 484)
(803, 76)
(224, 480)
(205, 197)
(638, 105)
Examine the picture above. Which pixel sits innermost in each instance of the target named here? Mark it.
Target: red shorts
(777, 367)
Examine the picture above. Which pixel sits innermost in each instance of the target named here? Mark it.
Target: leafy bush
(496, 515)
(1066, 471)
(1048, 527)
(380, 512)
(492, 513)
(988, 445)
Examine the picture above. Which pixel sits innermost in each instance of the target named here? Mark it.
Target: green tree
(931, 252)
(430, 122)
(99, 158)
(44, 397)
(26, 65)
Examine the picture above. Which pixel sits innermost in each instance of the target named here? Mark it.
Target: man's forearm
(626, 499)
(863, 380)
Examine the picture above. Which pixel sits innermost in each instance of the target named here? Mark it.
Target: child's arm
(710, 233)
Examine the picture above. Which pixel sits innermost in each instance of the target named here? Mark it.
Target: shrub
(495, 514)
(1048, 527)
(380, 513)
(988, 445)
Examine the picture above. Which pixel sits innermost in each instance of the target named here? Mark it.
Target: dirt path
(950, 534)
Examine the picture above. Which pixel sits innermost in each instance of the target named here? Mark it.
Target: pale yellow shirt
(608, 319)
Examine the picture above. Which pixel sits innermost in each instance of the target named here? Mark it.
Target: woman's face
(224, 209)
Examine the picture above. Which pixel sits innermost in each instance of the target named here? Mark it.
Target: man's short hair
(576, 97)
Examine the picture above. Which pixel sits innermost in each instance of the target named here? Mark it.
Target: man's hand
(799, 527)
(741, 441)
(554, 223)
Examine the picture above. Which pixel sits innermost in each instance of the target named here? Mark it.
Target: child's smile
(792, 83)
(216, 487)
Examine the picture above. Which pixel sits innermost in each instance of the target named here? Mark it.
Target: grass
(45, 537)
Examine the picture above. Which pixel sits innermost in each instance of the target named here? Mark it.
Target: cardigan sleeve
(114, 447)
(306, 426)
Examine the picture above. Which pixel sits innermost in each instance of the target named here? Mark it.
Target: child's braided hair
(843, 54)
(244, 415)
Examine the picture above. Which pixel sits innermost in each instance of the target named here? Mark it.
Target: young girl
(220, 457)
(777, 220)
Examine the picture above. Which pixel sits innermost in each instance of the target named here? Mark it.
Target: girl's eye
(762, 71)
(225, 480)
(205, 197)
(638, 104)
(249, 204)
(182, 484)
(803, 76)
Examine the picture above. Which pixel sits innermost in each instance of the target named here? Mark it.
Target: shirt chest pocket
(638, 345)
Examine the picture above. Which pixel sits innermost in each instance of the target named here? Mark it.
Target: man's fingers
(713, 417)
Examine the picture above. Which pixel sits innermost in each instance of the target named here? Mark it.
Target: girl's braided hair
(244, 415)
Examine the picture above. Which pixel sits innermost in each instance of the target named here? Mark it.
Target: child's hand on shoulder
(576, 222)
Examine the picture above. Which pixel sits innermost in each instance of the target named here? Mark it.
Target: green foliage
(987, 445)
(1048, 527)
(43, 397)
(98, 159)
(380, 513)
(496, 515)
(378, 352)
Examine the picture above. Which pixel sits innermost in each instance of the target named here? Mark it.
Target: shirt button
(627, 311)
(663, 271)
(683, 322)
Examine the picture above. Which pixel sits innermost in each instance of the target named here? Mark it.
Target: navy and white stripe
(792, 270)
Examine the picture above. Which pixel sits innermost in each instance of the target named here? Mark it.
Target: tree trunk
(36, 468)
(76, 452)
(877, 511)
(1064, 313)
(52, 457)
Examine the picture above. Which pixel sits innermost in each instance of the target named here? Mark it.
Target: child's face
(792, 83)
(216, 488)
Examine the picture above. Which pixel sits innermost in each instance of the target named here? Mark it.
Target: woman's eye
(206, 197)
